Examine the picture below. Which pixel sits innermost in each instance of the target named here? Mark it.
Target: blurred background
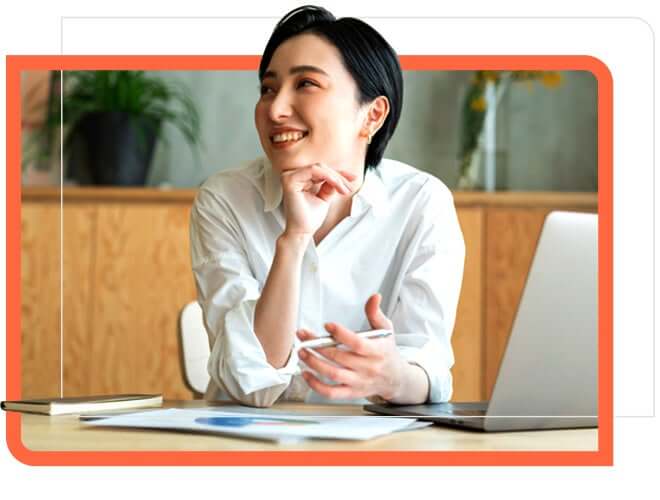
(105, 261)
(542, 137)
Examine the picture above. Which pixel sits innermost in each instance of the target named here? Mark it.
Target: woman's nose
(280, 106)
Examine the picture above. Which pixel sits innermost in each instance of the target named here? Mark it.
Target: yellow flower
(492, 76)
(478, 104)
(551, 79)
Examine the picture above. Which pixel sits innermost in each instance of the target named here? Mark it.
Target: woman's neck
(338, 211)
(340, 208)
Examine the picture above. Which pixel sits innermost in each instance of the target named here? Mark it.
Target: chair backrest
(195, 343)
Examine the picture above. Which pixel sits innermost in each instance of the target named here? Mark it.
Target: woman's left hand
(372, 367)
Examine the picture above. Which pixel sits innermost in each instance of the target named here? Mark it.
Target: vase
(486, 167)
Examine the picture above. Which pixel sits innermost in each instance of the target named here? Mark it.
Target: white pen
(331, 342)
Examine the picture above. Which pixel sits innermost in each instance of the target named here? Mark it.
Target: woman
(294, 245)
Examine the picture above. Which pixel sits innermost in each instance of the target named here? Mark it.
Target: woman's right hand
(308, 192)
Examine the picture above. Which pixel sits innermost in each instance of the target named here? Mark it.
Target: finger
(375, 315)
(303, 178)
(329, 391)
(288, 175)
(351, 340)
(327, 192)
(349, 359)
(303, 335)
(301, 182)
(348, 175)
(323, 172)
(335, 373)
(300, 179)
(313, 187)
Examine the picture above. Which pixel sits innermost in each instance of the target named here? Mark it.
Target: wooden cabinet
(126, 274)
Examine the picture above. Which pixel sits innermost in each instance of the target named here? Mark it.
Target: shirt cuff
(439, 378)
(240, 364)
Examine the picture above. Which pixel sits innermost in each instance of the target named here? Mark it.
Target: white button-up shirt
(402, 239)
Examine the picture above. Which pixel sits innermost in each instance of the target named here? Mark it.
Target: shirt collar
(372, 193)
(272, 187)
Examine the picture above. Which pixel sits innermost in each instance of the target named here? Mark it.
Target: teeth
(288, 136)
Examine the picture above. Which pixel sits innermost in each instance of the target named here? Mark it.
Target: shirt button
(313, 268)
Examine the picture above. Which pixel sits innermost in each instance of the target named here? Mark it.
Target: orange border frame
(604, 454)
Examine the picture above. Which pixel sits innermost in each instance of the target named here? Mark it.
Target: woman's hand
(371, 367)
(307, 193)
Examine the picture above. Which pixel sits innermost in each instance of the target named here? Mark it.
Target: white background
(625, 45)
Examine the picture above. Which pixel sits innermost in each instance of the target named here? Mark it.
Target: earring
(369, 139)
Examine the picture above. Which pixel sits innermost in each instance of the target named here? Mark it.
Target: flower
(551, 79)
(478, 104)
(475, 106)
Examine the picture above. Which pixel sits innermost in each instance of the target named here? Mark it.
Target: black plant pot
(111, 148)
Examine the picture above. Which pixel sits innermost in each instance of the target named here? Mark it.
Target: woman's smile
(287, 139)
(307, 111)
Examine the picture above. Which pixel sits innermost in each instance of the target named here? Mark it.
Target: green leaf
(133, 92)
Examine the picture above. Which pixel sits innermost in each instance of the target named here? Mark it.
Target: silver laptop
(548, 377)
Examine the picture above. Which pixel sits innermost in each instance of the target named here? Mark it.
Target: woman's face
(308, 110)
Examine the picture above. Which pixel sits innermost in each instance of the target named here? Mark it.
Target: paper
(263, 425)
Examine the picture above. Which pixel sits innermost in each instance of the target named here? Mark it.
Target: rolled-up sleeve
(227, 293)
(425, 312)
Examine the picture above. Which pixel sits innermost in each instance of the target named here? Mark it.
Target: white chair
(195, 344)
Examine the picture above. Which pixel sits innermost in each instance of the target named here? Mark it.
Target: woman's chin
(282, 163)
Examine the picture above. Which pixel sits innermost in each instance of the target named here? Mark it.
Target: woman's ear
(376, 115)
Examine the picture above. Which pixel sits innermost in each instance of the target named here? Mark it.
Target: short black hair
(366, 55)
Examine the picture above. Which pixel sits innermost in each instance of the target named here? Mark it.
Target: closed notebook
(64, 406)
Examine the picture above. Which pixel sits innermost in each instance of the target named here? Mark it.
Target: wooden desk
(66, 433)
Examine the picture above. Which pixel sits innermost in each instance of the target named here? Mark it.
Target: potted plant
(112, 120)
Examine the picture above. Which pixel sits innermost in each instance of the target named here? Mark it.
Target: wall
(546, 137)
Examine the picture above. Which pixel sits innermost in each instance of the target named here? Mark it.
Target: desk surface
(66, 433)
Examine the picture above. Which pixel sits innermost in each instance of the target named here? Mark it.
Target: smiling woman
(324, 97)
(323, 236)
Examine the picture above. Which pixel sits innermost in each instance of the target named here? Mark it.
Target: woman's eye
(264, 89)
(306, 83)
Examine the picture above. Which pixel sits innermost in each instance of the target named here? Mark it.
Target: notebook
(67, 406)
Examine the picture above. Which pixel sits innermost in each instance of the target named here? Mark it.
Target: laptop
(548, 377)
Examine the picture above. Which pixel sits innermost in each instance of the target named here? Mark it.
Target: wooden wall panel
(79, 227)
(512, 234)
(40, 305)
(511, 238)
(172, 258)
(468, 370)
(143, 278)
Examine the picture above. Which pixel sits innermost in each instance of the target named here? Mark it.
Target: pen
(331, 342)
